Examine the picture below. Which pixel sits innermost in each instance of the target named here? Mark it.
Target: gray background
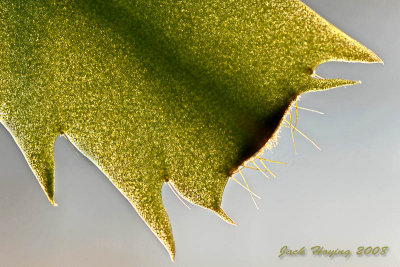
(344, 196)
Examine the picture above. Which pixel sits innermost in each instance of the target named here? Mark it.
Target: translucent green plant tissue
(182, 92)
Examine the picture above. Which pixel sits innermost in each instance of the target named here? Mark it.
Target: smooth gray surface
(344, 196)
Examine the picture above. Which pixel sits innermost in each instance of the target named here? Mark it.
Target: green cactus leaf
(159, 91)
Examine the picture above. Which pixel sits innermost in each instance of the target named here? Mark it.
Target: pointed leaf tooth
(324, 84)
(334, 45)
(348, 49)
(339, 46)
(40, 156)
(206, 193)
(147, 201)
(221, 213)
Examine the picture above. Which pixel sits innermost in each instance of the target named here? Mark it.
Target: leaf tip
(172, 253)
(324, 84)
(221, 213)
(365, 55)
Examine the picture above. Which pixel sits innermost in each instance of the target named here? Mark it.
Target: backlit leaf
(159, 91)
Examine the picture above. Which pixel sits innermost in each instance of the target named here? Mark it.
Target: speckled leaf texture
(163, 90)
